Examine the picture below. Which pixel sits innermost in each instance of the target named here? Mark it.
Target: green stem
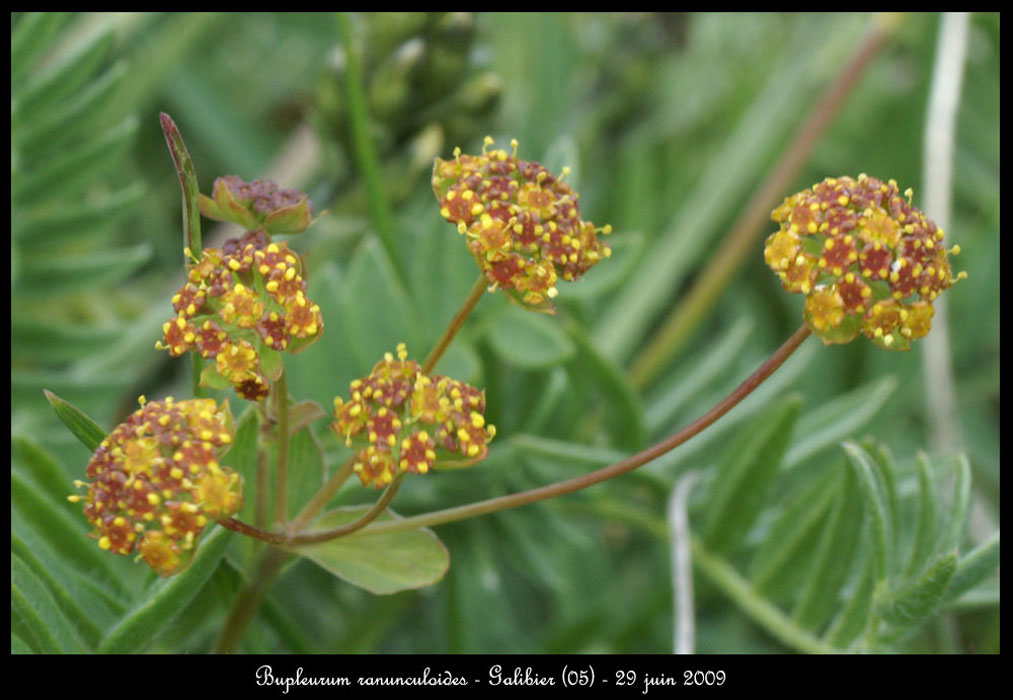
(365, 150)
(443, 343)
(245, 606)
(677, 329)
(768, 616)
(281, 492)
(596, 477)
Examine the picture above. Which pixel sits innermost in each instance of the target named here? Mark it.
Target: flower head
(866, 259)
(241, 306)
(258, 205)
(410, 422)
(522, 223)
(157, 480)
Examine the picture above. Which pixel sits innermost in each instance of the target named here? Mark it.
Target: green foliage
(670, 123)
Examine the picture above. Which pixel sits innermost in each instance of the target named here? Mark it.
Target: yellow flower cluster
(156, 481)
(522, 223)
(411, 422)
(242, 305)
(866, 259)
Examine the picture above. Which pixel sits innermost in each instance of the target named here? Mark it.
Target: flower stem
(441, 346)
(281, 407)
(252, 531)
(245, 606)
(677, 329)
(596, 477)
(361, 522)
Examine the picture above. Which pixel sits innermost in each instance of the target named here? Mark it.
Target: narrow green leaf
(53, 276)
(547, 402)
(953, 535)
(833, 564)
(56, 341)
(908, 606)
(187, 182)
(745, 474)
(40, 465)
(242, 457)
(925, 533)
(377, 311)
(384, 563)
(39, 612)
(861, 463)
(717, 359)
(53, 225)
(64, 535)
(20, 646)
(167, 598)
(30, 37)
(529, 340)
(86, 627)
(857, 614)
(60, 127)
(782, 552)
(306, 470)
(976, 566)
(837, 419)
(64, 77)
(624, 407)
(885, 469)
(76, 166)
(84, 428)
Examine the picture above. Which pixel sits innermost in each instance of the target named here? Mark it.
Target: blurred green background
(669, 123)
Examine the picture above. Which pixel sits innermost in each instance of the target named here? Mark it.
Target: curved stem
(361, 522)
(739, 241)
(252, 531)
(596, 477)
(281, 408)
(474, 295)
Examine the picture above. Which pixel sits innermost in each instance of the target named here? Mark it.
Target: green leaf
(52, 276)
(783, 551)
(832, 567)
(953, 535)
(43, 469)
(547, 402)
(837, 419)
(47, 341)
(189, 188)
(76, 166)
(211, 379)
(383, 563)
(624, 407)
(84, 428)
(166, 599)
(30, 37)
(744, 475)
(20, 646)
(85, 626)
(38, 613)
(306, 470)
(925, 533)
(913, 603)
(54, 225)
(63, 78)
(861, 463)
(64, 535)
(242, 457)
(377, 311)
(857, 615)
(528, 340)
(973, 568)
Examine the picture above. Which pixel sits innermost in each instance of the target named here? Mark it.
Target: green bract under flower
(411, 422)
(867, 261)
(522, 223)
(258, 205)
(156, 481)
(243, 305)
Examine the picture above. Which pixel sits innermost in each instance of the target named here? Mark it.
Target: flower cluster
(156, 481)
(242, 305)
(523, 223)
(867, 261)
(257, 205)
(412, 422)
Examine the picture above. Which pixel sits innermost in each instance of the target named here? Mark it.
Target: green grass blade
(39, 614)
(44, 90)
(166, 599)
